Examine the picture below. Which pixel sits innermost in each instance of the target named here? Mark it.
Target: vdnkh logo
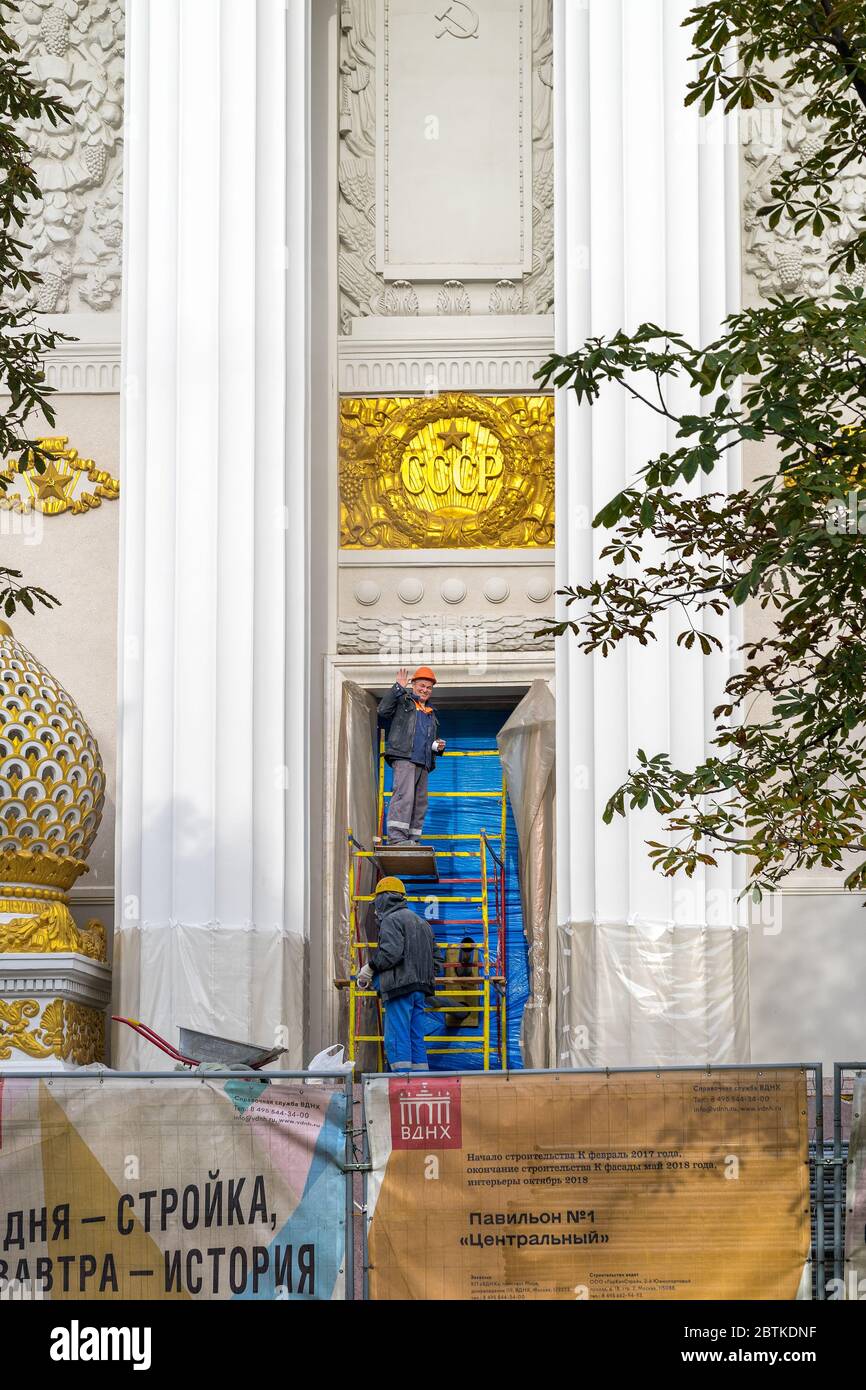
(76, 1343)
(425, 1115)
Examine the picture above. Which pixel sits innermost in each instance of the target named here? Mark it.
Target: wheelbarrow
(210, 1048)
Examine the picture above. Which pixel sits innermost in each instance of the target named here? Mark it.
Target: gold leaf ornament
(66, 1030)
(53, 929)
(449, 471)
(15, 1033)
(66, 484)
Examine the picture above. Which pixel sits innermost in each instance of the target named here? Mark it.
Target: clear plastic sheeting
(527, 750)
(855, 1225)
(651, 994)
(355, 810)
(242, 981)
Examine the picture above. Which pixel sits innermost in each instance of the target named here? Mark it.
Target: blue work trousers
(406, 1022)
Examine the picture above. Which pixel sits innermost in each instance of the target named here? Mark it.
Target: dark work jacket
(404, 958)
(398, 706)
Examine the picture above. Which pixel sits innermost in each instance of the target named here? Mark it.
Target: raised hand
(403, 676)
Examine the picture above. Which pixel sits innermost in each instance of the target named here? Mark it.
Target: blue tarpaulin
(469, 815)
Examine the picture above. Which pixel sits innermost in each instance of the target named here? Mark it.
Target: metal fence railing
(844, 1075)
(227, 1119)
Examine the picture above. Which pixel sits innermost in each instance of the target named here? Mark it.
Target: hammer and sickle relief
(459, 20)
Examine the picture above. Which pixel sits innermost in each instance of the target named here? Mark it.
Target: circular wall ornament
(496, 589)
(453, 591)
(410, 590)
(367, 593)
(539, 589)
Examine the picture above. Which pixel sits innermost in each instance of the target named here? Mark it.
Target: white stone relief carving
(458, 19)
(360, 286)
(538, 285)
(410, 590)
(367, 592)
(362, 289)
(453, 145)
(439, 633)
(456, 363)
(538, 590)
(398, 298)
(92, 370)
(506, 298)
(453, 591)
(777, 261)
(453, 299)
(75, 231)
(496, 589)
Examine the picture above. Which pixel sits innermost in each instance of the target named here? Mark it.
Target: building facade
(352, 233)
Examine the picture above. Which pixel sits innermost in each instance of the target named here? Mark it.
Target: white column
(651, 970)
(212, 841)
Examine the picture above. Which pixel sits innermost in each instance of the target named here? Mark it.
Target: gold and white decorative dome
(52, 782)
(52, 793)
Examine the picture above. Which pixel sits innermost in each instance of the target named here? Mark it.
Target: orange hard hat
(424, 674)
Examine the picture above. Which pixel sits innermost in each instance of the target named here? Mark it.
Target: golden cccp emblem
(450, 471)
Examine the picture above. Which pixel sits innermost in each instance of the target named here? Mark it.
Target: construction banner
(179, 1189)
(669, 1185)
(855, 1221)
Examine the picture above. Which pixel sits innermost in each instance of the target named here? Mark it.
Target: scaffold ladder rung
(482, 993)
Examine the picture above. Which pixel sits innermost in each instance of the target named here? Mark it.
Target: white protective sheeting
(213, 721)
(527, 751)
(652, 970)
(664, 994)
(355, 809)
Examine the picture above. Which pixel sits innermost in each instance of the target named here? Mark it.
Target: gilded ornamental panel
(451, 471)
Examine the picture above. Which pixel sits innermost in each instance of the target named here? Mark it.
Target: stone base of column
(52, 1010)
(242, 982)
(643, 994)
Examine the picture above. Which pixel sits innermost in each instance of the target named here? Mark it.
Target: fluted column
(650, 970)
(212, 792)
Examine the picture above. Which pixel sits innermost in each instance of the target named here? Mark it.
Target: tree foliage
(23, 344)
(747, 52)
(785, 782)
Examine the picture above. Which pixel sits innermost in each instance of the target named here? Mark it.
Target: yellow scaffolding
(487, 985)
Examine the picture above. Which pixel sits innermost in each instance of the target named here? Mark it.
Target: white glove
(365, 977)
(438, 745)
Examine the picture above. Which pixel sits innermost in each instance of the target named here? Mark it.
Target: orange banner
(670, 1185)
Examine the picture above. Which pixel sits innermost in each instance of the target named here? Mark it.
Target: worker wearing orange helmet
(411, 747)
